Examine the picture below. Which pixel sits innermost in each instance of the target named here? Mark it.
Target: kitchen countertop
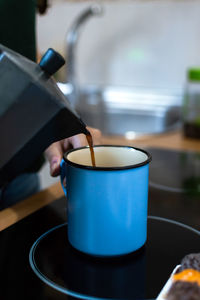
(171, 140)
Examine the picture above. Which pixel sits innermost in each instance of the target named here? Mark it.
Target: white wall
(135, 43)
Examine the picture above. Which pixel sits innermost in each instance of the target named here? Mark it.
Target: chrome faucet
(72, 39)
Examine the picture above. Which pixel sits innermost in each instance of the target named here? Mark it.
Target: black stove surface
(174, 185)
(176, 171)
(136, 276)
(140, 275)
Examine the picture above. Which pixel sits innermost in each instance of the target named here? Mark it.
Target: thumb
(54, 155)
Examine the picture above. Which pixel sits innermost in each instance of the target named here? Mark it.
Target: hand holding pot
(54, 153)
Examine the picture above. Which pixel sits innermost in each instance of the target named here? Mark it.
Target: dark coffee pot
(33, 111)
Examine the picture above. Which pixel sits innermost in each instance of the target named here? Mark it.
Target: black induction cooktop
(175, 171)
(37, 262)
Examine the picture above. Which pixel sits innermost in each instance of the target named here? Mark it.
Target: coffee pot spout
(33, 113)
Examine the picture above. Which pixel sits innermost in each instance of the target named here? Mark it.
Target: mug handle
(63, 175)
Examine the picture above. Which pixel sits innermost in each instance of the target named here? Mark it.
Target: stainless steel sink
(124, 111)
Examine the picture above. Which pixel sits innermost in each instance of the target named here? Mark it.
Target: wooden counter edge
(172, 141)
(15, 213)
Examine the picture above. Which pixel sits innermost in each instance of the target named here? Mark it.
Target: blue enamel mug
(107, 204)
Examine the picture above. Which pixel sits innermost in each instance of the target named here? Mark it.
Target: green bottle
(191, 105)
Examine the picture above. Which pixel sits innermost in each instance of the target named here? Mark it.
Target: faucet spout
(72, 39)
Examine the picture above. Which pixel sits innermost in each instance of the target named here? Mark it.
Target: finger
(78, 140)
(54, 154)
(81, 141)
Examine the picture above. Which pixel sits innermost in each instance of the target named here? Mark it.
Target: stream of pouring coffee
(90, 143)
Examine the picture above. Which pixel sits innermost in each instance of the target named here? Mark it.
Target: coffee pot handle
(63, 176)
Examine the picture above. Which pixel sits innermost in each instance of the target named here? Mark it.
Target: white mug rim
(77, 165)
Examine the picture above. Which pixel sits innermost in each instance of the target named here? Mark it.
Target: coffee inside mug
(109, 156)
